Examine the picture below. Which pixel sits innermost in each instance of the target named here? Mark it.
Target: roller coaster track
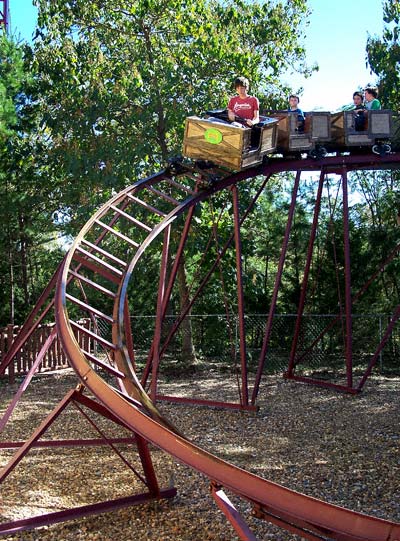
(101, 264)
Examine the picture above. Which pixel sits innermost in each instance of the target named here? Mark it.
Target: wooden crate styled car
(294, 136)
(235, 147)
(374, 129)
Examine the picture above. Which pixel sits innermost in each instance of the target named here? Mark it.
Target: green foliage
(373, 237)
(27, 236)
(119, 80)
(12, 77)
(383, 55)
(383, 191)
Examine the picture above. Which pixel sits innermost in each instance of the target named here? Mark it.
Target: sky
(23, 17)
(335, 40)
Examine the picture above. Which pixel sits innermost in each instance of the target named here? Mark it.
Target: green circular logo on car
(213, 136)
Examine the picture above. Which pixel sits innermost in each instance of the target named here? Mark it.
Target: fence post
(11, 366)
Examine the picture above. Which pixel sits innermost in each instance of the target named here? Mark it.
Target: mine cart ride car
(396, 132)
(233, 146)
(309, 136)
(351, 130)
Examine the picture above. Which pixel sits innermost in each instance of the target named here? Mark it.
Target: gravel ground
(343, 449)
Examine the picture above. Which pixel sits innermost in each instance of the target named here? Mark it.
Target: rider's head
(242, 81)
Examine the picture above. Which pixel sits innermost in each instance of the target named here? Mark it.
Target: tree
(118, 80)
(383, 56)
(27, 235)
(375, 235)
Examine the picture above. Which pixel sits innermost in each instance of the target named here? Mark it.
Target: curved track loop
(94, 268)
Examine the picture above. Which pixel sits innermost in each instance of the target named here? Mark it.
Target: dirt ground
(340, 448)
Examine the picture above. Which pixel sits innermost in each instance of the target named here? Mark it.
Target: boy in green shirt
(371, 99)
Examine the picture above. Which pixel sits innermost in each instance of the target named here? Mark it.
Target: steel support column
(22, 451)
(231, 513)
(274, 297)
(159, 314)
(168, 290)
(381, 345)
(347, 282)
(240, 297)
(9, 528)
(149, 478)
(31, 322)
(28, 378)
(203, 283)
(303, 292)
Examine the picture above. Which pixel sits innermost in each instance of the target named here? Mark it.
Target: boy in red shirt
(244, 106)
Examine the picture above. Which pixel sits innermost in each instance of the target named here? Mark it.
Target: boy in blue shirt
(294, 108)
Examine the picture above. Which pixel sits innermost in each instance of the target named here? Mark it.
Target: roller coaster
(93, 275)
(236, 146)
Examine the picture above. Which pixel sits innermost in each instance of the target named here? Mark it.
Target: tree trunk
(12, 293)
(188, 351)
(24, 259)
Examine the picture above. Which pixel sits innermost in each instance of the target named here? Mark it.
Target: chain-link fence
(215, 340)
(321, 340)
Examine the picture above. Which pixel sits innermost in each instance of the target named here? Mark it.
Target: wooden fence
(54, 358)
